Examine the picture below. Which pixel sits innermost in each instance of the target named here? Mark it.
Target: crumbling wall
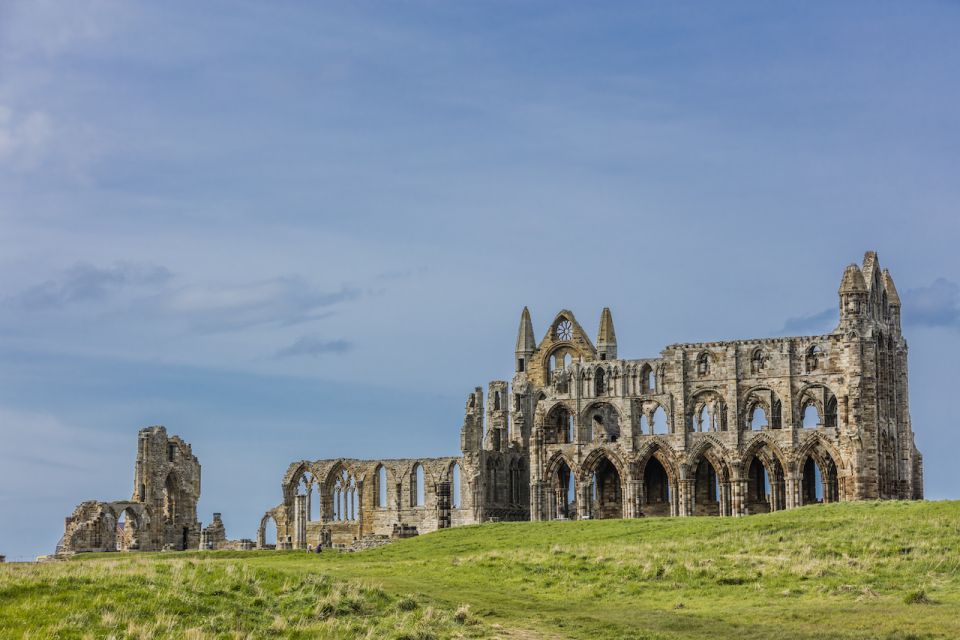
(162, 512)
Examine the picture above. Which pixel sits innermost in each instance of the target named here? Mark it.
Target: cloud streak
(85, 282)
(282, 302)
(315, 347)
(936, 305)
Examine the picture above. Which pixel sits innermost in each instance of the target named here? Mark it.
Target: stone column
(300, 522)
(792, 491)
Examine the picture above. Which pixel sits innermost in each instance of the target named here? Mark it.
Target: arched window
(417, 496)
(814, 357)
(496, 401)
(566, 360)
(599, 382)
(703, 364)
(345, 498)
(571, 436)
(455, 501)
(647, 379)
(810, 416)
(759, 419)
(382, 487)
(660, 421)
(703, 420)
(170, 498)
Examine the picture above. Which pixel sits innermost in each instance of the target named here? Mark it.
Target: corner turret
(853, 295)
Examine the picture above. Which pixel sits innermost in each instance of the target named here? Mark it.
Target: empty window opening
(660, 421)
(758, 419)
(382, 487)
(418, 487)
(455, 487)
(810, 416)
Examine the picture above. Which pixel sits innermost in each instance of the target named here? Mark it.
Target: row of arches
(711, 482)
(816, 407)
(344, 491)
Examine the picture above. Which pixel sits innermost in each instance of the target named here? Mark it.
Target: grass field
(870, 570)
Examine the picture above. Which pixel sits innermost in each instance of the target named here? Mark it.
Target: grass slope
(870, 570)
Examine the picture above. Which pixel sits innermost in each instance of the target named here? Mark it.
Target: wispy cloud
(815, 323)
(283, 301)
(314, 346)
(86, 282)
(937, 305)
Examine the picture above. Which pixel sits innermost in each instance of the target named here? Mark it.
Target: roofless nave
(715, 428)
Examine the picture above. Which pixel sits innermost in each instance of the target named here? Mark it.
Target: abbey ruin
(714, 428)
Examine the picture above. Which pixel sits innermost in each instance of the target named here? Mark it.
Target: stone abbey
(713, 428)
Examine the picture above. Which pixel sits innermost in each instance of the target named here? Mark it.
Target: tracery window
(564, 330)
(345, 497)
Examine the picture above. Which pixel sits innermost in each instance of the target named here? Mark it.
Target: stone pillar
(583, 501)
(792, 491)
(739, 496)
(300, 522)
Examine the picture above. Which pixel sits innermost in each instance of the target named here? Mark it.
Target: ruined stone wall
(714, 428)
(161, 514)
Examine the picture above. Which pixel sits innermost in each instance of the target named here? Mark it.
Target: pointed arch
(648, 380)
(418, 489)
(456, 485)
(562, 487)
(381, 489)
(763, 466)
(708, 467)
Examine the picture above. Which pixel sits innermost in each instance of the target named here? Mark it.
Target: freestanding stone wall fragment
(162, 512)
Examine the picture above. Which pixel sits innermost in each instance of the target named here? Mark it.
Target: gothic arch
(822, 398)
(554, 462)
(262, 529)
(602, 419)
(714, 451)
(759, 443)
(763, 467)
(708, 404)
(765, 398)
(595, 457)
(707, 471)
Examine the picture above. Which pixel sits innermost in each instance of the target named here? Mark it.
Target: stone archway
(562, 503)
(262, 533)
(606, 490)
(128, 530)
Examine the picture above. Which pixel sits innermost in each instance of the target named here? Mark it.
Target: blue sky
(304, 230)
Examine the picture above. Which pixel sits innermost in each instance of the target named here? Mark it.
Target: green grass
(871, 570)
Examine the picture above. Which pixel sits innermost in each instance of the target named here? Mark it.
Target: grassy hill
(871, 570)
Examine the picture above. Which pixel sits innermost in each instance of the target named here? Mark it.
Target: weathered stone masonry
(714, 428)
(161, 513)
